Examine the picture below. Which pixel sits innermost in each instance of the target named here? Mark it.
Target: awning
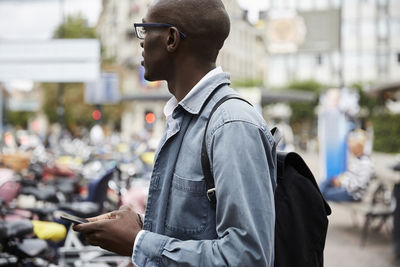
(266, 98)
(286, 96)
(146, 97)
(382, 88)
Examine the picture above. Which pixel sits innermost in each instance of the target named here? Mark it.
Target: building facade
(369, 50)
(244, 50)
(242, 56)
(121, 48)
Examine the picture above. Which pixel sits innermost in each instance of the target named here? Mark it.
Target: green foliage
(386, 127)
(386, 133)
(303, 112)
(365, 101)
(306, 85)
(18, 118)
(75, 27)
(76, 111)
(49, 105)
(247, 83)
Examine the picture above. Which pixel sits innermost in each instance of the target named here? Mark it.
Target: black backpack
(301, 212)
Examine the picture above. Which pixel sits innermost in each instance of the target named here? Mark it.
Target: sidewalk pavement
(342, 247)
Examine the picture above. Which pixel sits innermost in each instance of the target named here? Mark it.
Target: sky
(253, 7)
(37, 19)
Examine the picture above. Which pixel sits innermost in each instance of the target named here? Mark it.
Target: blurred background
(72, 95)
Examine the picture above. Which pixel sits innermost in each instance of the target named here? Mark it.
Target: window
(318, 59)
(382, 29)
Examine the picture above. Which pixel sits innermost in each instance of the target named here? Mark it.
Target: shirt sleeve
(136, 241)
(245, 217)
(358, 175)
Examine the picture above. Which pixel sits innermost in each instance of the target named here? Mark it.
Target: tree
(386, 126)
(76, 111)
(367, 102)
(303, 113)
(18, 118)
(247, 83)
(75, 27)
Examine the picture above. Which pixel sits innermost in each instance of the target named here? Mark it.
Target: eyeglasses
(140, 29)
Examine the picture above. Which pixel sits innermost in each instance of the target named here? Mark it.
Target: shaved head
(205, 22)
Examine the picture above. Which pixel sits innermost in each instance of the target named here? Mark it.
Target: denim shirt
(181, 228)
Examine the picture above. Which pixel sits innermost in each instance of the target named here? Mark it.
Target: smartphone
(72, 218)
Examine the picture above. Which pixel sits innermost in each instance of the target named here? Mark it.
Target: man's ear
(173, 39)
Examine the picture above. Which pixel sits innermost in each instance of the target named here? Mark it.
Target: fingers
(97, 239)
(94, 239)
(116, 231)
(105, 216)
(86, 228)
(123, 212)
(139, 220)
(99, 222)
(124, 207)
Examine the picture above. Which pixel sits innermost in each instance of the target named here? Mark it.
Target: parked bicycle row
(73, 176)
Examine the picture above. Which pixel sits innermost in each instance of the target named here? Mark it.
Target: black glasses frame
(160, 25)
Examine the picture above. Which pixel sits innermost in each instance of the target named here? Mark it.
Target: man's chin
(148, 77)
(151, 78)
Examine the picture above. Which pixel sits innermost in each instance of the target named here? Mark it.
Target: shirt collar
(194, 100)
(203, 80)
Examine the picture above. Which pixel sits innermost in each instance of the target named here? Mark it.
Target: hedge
(386, 133)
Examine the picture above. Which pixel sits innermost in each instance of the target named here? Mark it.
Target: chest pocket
(188, 209)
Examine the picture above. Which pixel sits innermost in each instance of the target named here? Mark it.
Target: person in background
(351, 184)
(287, 142)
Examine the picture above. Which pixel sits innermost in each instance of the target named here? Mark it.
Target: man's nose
(141, 43)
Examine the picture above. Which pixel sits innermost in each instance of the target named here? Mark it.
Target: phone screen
(72, 218)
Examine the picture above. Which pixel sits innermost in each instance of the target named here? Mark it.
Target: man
(181, 41)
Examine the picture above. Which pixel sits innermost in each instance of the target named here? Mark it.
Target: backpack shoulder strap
(205, 160)
(277, 135)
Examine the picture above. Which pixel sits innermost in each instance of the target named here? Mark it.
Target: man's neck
(186, 78)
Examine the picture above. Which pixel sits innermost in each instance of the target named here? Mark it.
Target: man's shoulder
(236, 110)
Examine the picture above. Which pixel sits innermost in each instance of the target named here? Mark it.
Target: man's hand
(335, 182)
(115, 231)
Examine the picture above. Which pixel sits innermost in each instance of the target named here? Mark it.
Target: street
(342, 247)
